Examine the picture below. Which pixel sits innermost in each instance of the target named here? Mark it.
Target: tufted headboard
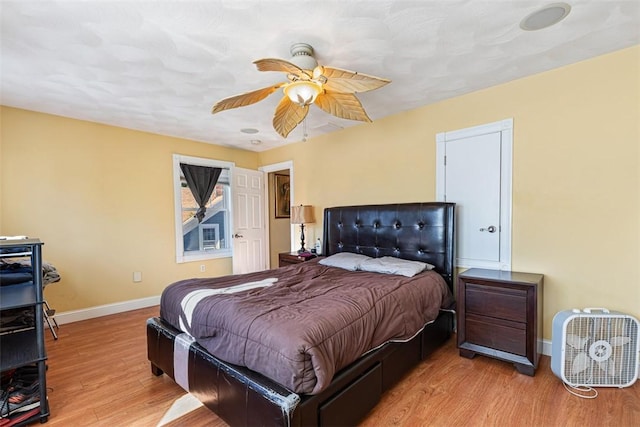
(413, 231)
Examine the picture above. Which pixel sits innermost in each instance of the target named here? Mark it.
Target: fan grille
(600, 351)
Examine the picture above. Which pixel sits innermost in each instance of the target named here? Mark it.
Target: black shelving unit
(25, 346)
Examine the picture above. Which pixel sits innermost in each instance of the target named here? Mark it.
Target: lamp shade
(302, 92)
(302, 214)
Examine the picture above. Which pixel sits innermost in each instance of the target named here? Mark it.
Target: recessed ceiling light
(545, 17)
(249, 130)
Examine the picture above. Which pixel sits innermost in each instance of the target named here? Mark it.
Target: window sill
(203, 255)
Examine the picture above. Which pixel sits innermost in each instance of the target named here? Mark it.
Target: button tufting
(421, 225)
(397, 225)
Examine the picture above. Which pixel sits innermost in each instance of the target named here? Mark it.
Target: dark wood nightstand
(288, 258)
(500, 315)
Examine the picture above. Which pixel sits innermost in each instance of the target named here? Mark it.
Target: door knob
(238, 236)
(490, 229)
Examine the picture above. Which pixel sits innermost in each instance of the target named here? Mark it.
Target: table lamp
(302, 215)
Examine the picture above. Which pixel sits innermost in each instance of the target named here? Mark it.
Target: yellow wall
(576, 163)
(101, 199)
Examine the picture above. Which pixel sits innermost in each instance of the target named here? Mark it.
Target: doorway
(279, 226)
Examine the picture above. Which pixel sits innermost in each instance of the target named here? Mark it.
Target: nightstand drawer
(499, 302)
(485, 332)
(500, 315)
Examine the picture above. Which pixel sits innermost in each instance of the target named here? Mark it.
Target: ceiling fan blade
(245, 99)
(273, 64)
(346, 81)
(343, 105)
(288, 115)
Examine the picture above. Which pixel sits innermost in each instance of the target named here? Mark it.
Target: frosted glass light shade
(302, 92)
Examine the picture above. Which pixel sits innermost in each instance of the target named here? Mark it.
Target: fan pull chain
(304, 130)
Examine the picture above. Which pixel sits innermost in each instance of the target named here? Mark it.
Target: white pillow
(346, 260)
(392, 265)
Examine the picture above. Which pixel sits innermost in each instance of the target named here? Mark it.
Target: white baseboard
(105, 310)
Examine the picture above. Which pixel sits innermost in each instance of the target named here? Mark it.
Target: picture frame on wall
(282, 196)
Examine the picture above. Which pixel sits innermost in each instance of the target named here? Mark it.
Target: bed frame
(241, 397)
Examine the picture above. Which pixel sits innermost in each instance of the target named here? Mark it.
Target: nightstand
(500, 316)
(288, 258)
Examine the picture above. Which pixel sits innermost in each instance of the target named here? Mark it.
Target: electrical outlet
(202, 268)
(137, 276)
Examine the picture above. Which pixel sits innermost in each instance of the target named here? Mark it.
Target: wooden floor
(99, 376)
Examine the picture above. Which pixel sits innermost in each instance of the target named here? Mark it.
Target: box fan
(595, 347)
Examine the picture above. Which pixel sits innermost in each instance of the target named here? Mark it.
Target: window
(211, 237)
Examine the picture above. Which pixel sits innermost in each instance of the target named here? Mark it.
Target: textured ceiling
(159, 66)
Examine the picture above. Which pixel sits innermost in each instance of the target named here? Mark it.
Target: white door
(249, 231)
(475, 174)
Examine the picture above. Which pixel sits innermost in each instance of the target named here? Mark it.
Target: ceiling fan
(331, 89)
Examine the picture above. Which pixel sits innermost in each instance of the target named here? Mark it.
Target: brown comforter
(306, 325)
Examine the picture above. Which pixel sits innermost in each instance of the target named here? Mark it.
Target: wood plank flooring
(99, 376)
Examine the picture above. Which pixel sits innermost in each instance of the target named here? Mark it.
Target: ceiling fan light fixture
(333, 89)
(303, 92)
(302, 56)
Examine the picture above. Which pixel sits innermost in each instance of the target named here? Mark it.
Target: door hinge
(445, 160)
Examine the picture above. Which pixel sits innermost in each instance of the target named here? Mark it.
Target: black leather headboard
(413, 231)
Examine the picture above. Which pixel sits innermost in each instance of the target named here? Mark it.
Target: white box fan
(595, 347)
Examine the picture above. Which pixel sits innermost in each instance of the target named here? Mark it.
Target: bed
(242, 396)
